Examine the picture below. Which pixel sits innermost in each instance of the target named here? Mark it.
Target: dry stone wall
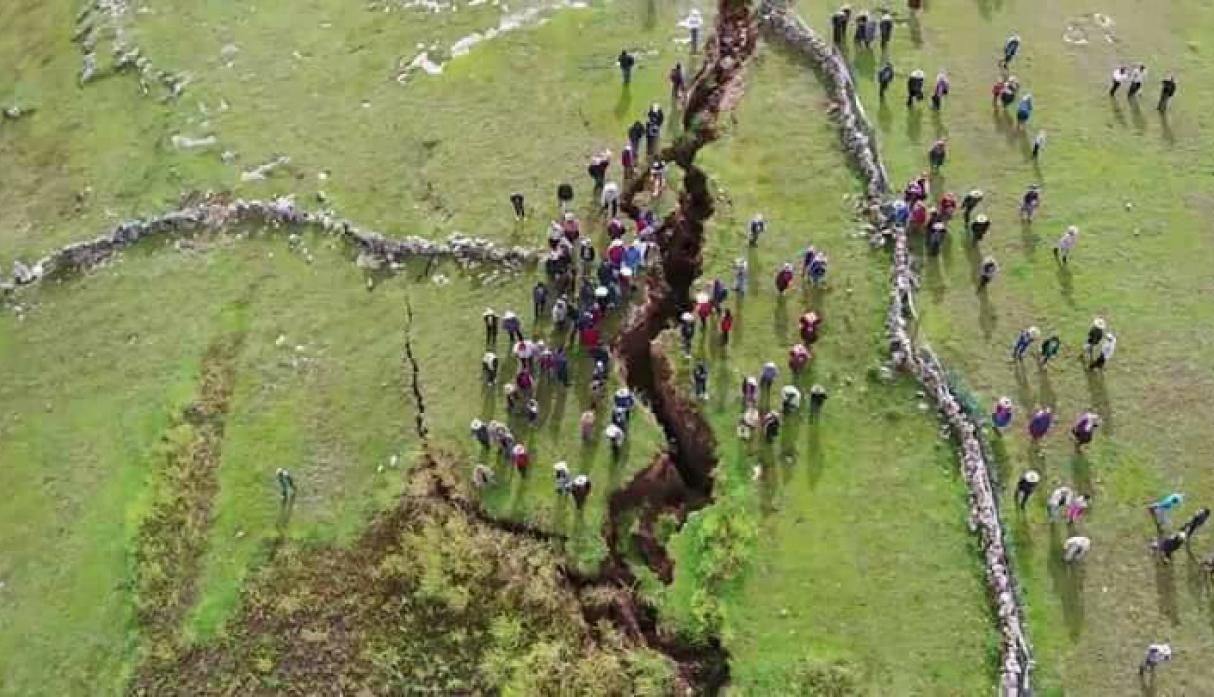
(858, 141)
(282, 213)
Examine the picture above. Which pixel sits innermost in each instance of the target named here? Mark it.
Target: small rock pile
(375, 250)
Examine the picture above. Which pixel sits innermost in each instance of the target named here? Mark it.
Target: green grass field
(845, 561)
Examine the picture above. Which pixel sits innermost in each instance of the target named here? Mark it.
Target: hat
(1098, 322)
(1032, 477)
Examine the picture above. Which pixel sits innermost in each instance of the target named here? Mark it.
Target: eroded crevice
(1015, 654)
(173, 536)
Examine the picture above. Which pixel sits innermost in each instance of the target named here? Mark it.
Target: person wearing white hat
(1075, 549)
(1106, 352)
(615, 436)
(1156, 654)
(1062, 250)
(1095, 336)
(790, 398)
(694, 22)
(560, 471)
(687, 329)
(1026, 486)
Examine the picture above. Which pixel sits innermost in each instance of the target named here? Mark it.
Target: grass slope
(1142, 268)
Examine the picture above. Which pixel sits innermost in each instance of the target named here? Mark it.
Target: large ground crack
(1016, 661)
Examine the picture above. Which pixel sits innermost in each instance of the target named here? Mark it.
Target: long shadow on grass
(1068, 584)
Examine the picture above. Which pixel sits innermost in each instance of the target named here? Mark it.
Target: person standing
(817, 400)
(979, 227)
(1038, 144)
(860, 36)
(1095, 337)
(1023, 341)
(838, 27)
(564, 196)
(1167, 90)
(784, 278)
(516, 202)
(586, 424)
(1119, 76)
(758, 225)
(1085, 428)
(887, 29)
(790, 399)
(1030, 203)
(1040, 424)
(626, 60)
(1010, 48)
(609, 199)
(1167, 545)
(489, 317)
(1075, 549)
(1024, 111)
(885, 77)
(1106, 352)
(1156, 655)
(615, 436)
(678, 83)
(635, 133)
(726, 326)
(937, 154)
(1050, 348)
(987, 273)
(580, 489)
(539, 299)
(1062, 250)
(969, 202)
(914, 88)
(489, 368)
(1001, 417)
(741, 273)
(699, 378)
(940, 91)
(286, 484)
(694, 22)
(482, 476)
(1025, 487)
(1137, 76)
(768, 375)
(1060, 499)
(687, 330)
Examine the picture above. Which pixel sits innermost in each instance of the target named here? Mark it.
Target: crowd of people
(920, 216)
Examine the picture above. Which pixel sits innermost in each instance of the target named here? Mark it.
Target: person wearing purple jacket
(1040, 424)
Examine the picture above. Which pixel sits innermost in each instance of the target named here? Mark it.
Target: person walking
(1010, 47)
(615, 437)
(482, 476)
(586, 425)
(1040, 424)
(790, 399)
(626, 61)
(609, 199)
(885, 77)
(750, 391)
(480, 431)
(635, 133)
(564, 196)
(1062, 250)
(784, 278)
(1167, 90)
(886, 25)
(1160, 509)
(914, 88)
(1156, 655)
(1023, 341)
(1120, 73)
(539, 300)
(687, 330)
(838, 26)
(798, 358)
(1167, 545)
(516, 202)
(1025, 487)
(771, 426)
(489, 368)
(979, 227)
(286, 484)
(1050, 348)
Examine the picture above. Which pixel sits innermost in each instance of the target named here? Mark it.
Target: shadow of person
(916, 30)
(987, 317)
(1098, 394)
(650, 19)
(780, 319)
(624, 103)
(815, 458)
(1165, 127)
(1118, 112)
(1081, 471)
(1028, 238)
(914, 124)
(885, 116)
(1065, 284)
(1067, 579)
(1140, 121)
(1165, 587)
(1045, 391)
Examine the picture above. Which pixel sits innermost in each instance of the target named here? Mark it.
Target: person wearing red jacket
(784, 278)
(726, 325)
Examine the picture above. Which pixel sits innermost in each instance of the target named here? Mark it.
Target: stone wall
(278, 214)
(1016, 659)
